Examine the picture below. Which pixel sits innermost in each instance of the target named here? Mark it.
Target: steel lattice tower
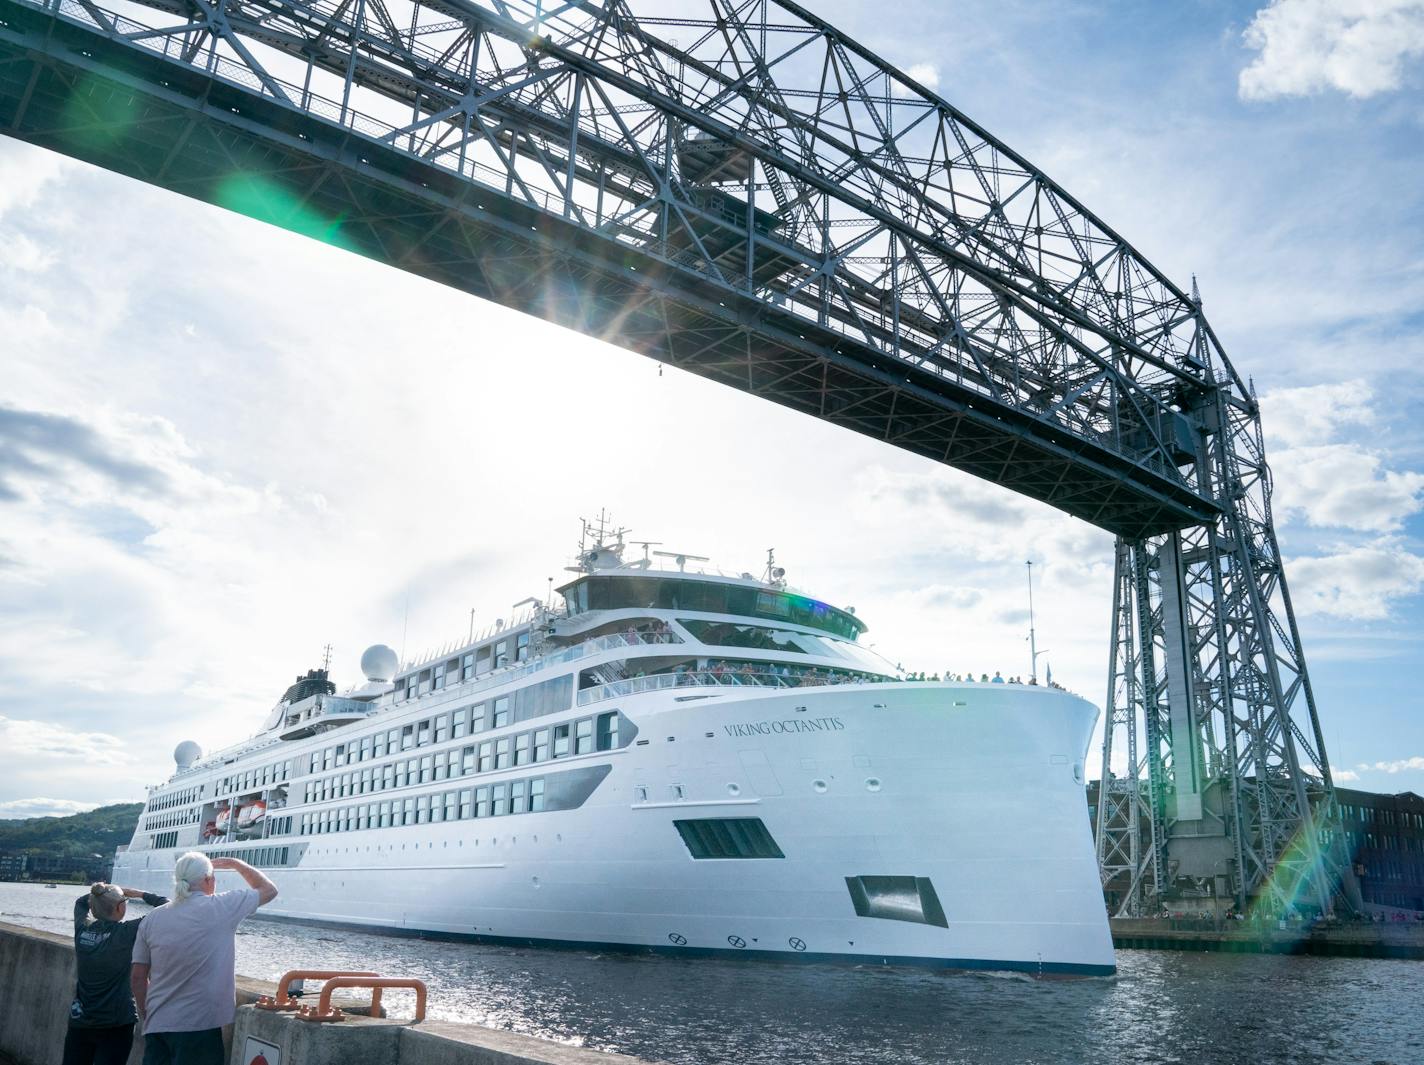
(1215, 781)
(748, 194)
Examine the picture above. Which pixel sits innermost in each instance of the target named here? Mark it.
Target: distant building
(67, 867)
(1385, 834)
(13, 865)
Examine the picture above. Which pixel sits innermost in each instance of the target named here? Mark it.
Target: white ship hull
(976, 789)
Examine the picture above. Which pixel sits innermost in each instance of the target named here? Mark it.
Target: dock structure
(1339, 940)
(748, 194)
(37, 972)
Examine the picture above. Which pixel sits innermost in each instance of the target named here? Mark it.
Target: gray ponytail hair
(105, 900)
(192, 869)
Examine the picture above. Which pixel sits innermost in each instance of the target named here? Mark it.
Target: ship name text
(793, 724)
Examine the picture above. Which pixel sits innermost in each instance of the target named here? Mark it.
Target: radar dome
(379, 663)
(186, 753)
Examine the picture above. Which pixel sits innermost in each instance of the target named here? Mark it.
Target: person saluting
(183, 975)
(101, 1017)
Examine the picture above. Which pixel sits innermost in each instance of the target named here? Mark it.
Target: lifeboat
(249, 815)
(224, 819)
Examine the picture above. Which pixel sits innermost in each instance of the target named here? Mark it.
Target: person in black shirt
(101, 1017)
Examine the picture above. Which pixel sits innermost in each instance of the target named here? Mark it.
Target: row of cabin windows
(178, 817)
(583, 736)
(490, 800)
(535, 700)
(165, 839)
(177, 798)
(255, 778)
(262, 857)
(279, 826)
(462, 667)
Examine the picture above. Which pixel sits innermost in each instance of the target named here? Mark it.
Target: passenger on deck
(998, 678)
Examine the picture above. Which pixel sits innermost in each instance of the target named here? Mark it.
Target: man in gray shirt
(183, 977)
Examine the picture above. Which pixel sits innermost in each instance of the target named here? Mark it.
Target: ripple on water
(1163, 1008)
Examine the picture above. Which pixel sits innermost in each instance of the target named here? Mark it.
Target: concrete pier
(37, 985)
(1388, 940)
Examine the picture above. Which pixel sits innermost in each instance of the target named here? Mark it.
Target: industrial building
(1384, 836)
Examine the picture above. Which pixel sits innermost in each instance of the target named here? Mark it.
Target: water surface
(1162, 1007)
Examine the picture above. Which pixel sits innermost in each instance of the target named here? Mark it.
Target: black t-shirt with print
(104, 952)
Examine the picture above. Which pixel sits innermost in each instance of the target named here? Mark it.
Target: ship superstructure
(668, 759)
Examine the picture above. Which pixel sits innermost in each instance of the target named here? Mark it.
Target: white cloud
(1359, 47)
(24, 173)
(1315, 414)
(1399, 765)
(1343, 776)
(43, 739)
(1359, 583)
(927, 74)
(1343, 486)
(18, 252)
(19, 808)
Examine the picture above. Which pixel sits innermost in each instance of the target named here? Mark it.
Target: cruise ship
(663, 758)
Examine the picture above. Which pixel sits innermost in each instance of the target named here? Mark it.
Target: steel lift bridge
(735, 188)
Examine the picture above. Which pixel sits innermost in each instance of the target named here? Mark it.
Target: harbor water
(1161, 1007)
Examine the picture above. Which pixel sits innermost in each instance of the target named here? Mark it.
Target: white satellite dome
(379, 662)
(186, 753)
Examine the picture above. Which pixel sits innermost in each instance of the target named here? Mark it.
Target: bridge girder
(762, 201)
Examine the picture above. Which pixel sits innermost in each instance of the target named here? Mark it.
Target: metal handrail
(710, 678)
(520, 670)
(377, 985)
(283, 999)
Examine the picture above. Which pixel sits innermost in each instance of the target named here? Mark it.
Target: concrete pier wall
(1393, 940)
(37, 984)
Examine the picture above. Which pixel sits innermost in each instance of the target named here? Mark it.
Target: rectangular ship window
(896, 898)
(728, 837)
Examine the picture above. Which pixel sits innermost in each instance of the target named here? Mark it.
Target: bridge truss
(748, 194)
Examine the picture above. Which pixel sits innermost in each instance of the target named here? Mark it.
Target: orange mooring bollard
(284, 1001)
(325, 1012)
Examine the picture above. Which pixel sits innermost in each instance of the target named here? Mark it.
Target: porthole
(872, 783)
(734, 789)
(818, 786)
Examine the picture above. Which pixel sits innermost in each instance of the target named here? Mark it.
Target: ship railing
(717, 678)
(505, 674)
(326, 708)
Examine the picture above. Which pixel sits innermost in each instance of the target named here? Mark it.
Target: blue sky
(223, 446)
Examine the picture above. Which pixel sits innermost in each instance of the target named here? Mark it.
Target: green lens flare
(1289, 886)
(98, 114)
(263, 199)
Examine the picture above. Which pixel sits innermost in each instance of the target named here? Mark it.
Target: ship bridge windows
(757, 637)
(669, 593)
